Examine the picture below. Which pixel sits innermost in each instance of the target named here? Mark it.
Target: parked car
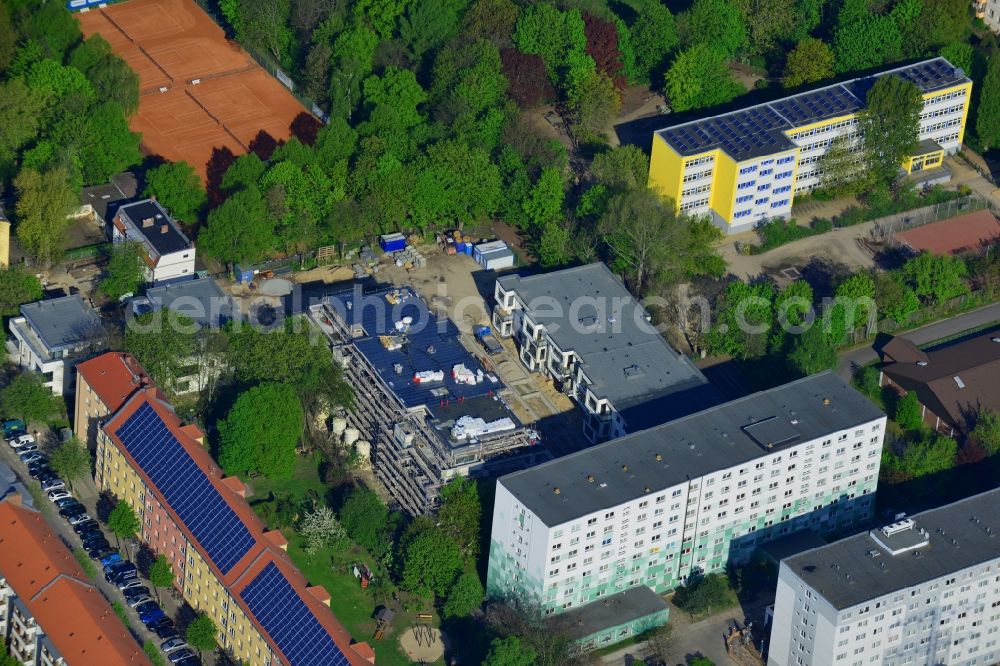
(135, 589)
(125, 579)
(79, 518)
(154, 614)
(65, 502)
(38, 468)
(14, 434)
(95, 540)
(118, 567)
(180, 655)
(74, 509)
(146, 607)
(135, 602)
(163, 628)
(22, 440)
(10, 426)
(86, 526)
(101, 554)
(27, 448)
(28, 458)
(53, 484)
(116, 557)
(189, 661)
(46, 474)
(90, 536)
(173, 644)
(55, 495)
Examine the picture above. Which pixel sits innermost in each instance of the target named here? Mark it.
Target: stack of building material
(471, 427)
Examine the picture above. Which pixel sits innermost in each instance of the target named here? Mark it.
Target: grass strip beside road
(119, 609)
(88, 565)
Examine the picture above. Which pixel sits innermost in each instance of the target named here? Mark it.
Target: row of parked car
(124, 575)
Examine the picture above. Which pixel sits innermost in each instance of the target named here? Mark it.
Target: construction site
(426, 409)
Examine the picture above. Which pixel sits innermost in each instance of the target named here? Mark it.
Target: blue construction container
(469, 247)
(392, 242)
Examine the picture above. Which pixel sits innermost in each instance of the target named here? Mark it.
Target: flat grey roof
(625, 358)
(61, 323)
(959, 535)
(617, 609)
(689, 447)
(108, 196)
(202, 300)
(162, 234)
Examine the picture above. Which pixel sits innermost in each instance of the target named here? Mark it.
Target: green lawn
(305, 478)
(353, 606)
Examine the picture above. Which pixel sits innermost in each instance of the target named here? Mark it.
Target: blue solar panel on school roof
(289, 622)
(185, 488)
(431, 343)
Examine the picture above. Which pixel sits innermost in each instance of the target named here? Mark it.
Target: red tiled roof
(114, 377)
(954, 235)
(73, 613)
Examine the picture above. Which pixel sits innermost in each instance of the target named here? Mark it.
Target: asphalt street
(978, 318)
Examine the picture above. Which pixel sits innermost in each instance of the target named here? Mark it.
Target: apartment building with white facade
(581, 328)
(747, 166)
(693, 494)
(166, 251)
(51, 336)
(923, 590)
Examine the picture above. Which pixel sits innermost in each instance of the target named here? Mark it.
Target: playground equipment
(383, 619)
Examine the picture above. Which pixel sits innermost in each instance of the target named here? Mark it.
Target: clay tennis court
(199, 92)
(972, 231)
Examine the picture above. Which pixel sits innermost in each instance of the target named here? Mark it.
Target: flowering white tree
(321, 529)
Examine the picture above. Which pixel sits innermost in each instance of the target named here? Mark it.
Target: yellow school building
(746, 167)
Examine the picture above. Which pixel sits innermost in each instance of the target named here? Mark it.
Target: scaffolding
(413, 454)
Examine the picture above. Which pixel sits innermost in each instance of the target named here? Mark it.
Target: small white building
(50, 337)
(494, 255)
(922, 590)
(168, 253)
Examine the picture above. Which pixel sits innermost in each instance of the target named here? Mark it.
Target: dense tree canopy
(29, 399)
(699, 77)
(261, 431)
(17, 287)
(889, 124)
(177, 186)
(811, 60)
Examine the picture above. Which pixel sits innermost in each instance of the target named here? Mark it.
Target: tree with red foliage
(970, 453)
(264, 145)
(221, 159)
(305, 127)
(602, 46)
(528, 81)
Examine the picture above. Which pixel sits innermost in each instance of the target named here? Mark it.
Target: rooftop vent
(633, 371)
(896, 528)
(556, 490)
(921, 363)
(873, 553)
(959, 382)
(590, 478)
(659, 456)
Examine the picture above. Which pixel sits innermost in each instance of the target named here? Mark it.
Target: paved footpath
(706, 637)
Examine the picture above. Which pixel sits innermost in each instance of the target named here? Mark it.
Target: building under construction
(426, 404)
